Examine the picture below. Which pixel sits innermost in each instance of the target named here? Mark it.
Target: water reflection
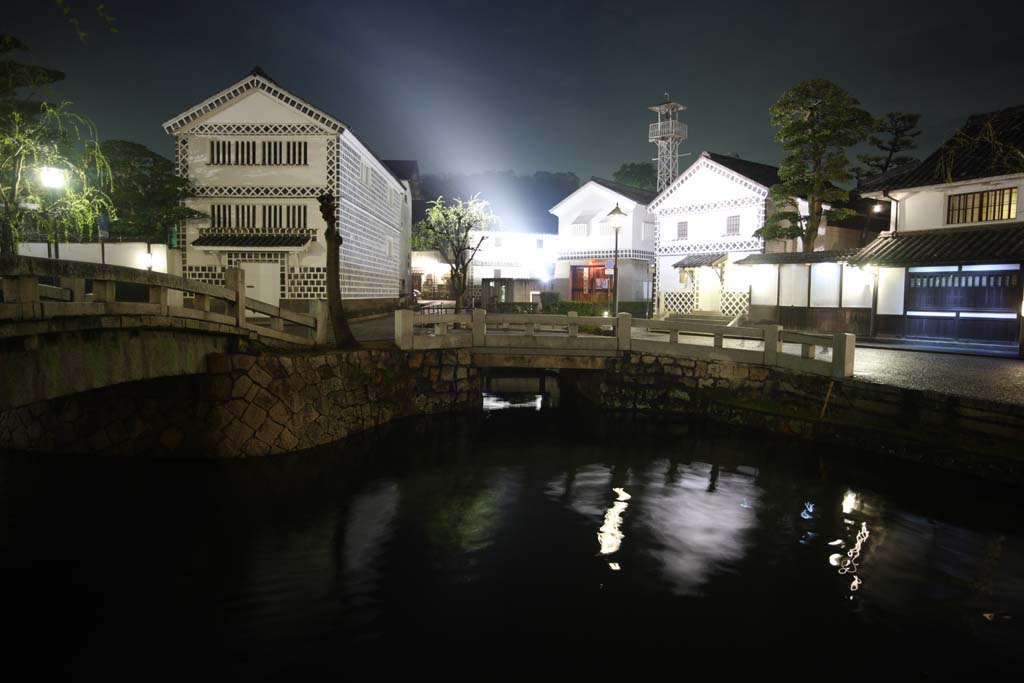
(508, 401)
(610, 536)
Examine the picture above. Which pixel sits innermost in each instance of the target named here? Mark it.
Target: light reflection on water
(447, 534)
(506, 402)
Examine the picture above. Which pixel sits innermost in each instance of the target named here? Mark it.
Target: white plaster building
(258, 157)
(522, 262)
(586, 243)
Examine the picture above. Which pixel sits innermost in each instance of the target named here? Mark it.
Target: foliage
(76, 24)
(521, 201)
(147, 193)
(816, 120)
(641, 175)
(447, 229)
(893, 135)
(15, 76)
(989, 142)
(60, 139)
(548, 300)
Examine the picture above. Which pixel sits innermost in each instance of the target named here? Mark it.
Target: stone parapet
(248, 405)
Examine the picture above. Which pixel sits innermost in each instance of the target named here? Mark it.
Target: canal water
(524, 542)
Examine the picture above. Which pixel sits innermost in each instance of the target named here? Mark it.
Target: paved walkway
(997, 379)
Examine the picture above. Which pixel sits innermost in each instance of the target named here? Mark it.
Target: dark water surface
(519, 544)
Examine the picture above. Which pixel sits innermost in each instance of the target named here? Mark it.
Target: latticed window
(232, 152)
(232, 216)
(290, 216)
(580, 230)
(683, 230)
(285, 152)
(980, 207)
(732, 225)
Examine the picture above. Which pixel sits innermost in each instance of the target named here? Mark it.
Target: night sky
(557, 86)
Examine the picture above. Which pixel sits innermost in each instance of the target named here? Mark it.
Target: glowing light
(147, 260)
(52, 177)
(877, 208)
(851, 501)
(609, 537)
(606, 314)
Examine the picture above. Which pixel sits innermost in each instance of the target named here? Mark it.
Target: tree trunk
(342, 333)
(7, 243)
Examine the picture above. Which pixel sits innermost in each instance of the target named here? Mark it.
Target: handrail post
(201, 302)
(772, 344)
(320, 331)
(843, 349)
(76, 285)
(479, 327)
(624, 331)
(22, 289)
(104, 291)
(661, 305)
(573, 328)
(234, 279)
(158, 295)
(403, 329)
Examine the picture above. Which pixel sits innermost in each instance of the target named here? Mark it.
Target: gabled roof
(259, 80)
(946, 246)
(762, 174)
(628, 191)
(757, 173)
(634, 194)
(967, 155)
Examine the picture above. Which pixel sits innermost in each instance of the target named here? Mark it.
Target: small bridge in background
(579, 342)
(65, 326)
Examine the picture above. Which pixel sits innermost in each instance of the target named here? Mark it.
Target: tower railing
(667, 129)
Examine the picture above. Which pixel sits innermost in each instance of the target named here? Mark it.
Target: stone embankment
(984, 438)
(249, 405)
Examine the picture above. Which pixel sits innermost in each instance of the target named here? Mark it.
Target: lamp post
(617, 219)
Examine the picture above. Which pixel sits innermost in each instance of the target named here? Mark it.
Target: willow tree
(452, 229)
(817, 121)
(343, 336)
(54, 179)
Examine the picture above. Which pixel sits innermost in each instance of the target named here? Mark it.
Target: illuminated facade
(586, 243)
(258, 158)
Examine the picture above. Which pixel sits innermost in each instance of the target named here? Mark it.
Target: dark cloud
(473, 86)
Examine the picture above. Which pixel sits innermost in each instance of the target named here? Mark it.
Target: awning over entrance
(277, 242)
(950, 246)
(835, 256)
(699, 260)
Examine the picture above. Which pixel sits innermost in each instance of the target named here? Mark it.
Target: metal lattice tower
(667, 133)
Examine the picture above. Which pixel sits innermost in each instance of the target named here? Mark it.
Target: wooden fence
(769, 345)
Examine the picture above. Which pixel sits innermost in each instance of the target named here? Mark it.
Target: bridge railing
(769, 345)
(26, 299)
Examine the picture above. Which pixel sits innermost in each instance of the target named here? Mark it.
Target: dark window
(285, 153)
(683, 231)
(732, 225)
(988, 292)
(980, 207)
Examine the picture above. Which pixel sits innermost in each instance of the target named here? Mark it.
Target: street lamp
(617, 218)
(51, 177)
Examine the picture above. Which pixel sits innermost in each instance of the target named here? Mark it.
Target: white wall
(764, 284)
(925, 208)
(793, 281)
(825, 285)
(857, 287)
(891, 283)
(128, 254)
(598, 200)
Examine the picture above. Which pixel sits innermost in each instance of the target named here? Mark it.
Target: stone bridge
(68, 327)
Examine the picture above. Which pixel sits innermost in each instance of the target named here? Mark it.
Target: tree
(147, 193)
(55, 147)
(641, 175)
(343, 336)
(893, 135)
(817, 121)
(990, 140)
(447, 228)
(16, 76)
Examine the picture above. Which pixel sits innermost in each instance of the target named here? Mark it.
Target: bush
(549, 300)
(637, 309)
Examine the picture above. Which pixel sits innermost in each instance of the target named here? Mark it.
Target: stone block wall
(249, 405)
(983, 438)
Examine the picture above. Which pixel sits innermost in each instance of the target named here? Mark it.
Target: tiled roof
(948, 246)
(760, 173)
(698, 260)
(257, 241)
(628, 191)
(836, 256)
(954, 162)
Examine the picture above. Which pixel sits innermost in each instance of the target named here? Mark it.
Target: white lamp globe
(51, 177)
